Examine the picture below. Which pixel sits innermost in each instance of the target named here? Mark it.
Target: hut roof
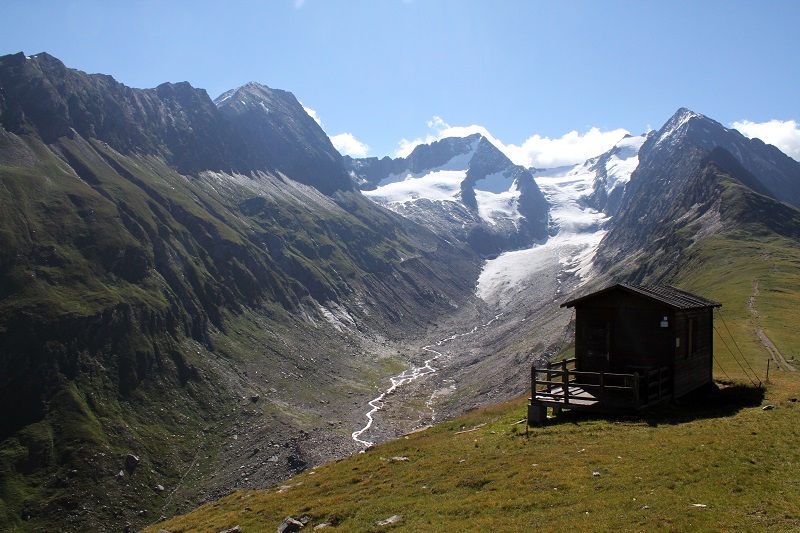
(666, 294)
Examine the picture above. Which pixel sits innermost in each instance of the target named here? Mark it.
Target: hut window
(599, 341)
(692, 337)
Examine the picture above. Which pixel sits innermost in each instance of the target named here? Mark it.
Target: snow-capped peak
(450, 154)
(464, 186)
(582, 199)
(678, 123)
(476, 174)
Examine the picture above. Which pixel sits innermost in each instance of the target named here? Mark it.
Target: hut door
(598, 347)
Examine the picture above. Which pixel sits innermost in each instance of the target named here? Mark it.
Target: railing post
(602, 382)
(565, 382)
(636, 389)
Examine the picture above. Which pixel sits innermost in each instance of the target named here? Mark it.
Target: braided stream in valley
(408, 376)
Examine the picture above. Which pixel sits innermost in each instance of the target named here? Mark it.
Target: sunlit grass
(725, 460)
(731, 465)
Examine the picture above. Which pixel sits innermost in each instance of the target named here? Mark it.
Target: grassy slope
(718, 463)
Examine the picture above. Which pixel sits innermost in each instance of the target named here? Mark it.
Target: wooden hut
(634, 346)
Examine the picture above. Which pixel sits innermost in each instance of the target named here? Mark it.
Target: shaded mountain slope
(257, 129)
(170, 289)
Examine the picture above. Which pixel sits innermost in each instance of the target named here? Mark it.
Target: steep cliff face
(254, 128)
(278, 135)
(164, 258)
(693, 180)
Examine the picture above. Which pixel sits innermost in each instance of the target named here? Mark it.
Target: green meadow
(726, 459)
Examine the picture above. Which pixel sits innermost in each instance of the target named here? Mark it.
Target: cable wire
(735, 343)
(735, 358)
(719, 366)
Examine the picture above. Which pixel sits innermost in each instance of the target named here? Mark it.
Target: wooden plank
(572, 402)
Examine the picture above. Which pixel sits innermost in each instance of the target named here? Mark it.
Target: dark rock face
(278, 135)
(675, 195)
(778, 173)
(39, 95)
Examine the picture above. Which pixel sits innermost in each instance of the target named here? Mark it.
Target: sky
(551, 82)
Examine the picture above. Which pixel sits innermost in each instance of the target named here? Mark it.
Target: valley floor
(726, 462)
(520, 289)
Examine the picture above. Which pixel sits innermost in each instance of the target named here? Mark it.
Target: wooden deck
(575, 396)
(564, 387)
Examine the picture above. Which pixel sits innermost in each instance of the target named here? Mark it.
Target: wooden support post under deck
(537, 413)
(659, 384)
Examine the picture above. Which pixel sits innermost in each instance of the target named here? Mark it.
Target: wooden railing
(657, 384)
(561, 375)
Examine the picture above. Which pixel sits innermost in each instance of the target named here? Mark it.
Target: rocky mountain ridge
(178, 122)
(684, 171)
(465, 187)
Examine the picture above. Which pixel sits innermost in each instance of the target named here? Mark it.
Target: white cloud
(783, 134)
(441, 130)
(569, 149)
(536, 151)
(347, 144)
(313, 114)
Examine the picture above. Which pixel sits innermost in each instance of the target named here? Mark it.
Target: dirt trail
(776, 355)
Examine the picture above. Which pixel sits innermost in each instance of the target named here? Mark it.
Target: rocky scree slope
(196, 286)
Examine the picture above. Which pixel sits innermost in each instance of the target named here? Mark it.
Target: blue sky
(563, 76)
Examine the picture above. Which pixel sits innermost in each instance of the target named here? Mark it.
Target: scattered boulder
(296, 463)
(131, 462)
(234, 529)
(290, 524)
(391, 520)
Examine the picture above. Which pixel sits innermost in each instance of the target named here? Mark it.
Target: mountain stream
(409, 375)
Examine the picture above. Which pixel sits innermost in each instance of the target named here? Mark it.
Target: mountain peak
(462, 186)
(438, 153)
(676, 124)
(276, 128)
(248, 93)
